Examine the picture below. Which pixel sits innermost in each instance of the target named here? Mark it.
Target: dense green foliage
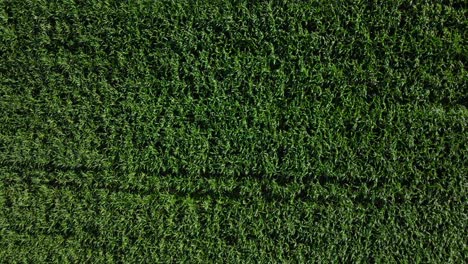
(253, 131)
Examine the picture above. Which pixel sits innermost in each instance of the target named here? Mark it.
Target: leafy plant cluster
(243, 131)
